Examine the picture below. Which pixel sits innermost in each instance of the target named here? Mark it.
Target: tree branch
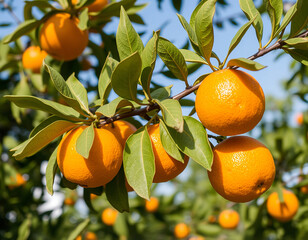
(141, 111)
(6, 6)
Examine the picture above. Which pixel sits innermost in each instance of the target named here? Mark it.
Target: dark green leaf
(194, 13)
(39, 3)
(161, 93)
(245, 63)
(110, 109)
(193, 142)
(300, 18)
(51, 170)
(126, 75)
(87, 198)
(116, 192)
(192, 57)
(79, 229)
(68, 184)
(173, 59)
(298, 43)
(85, 141)
(274, 9)
(298, 54)
(139, 162)
(128, 40)
(286, 20)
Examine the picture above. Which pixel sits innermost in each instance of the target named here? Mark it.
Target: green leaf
(116, 192)
(83, 3)
(55, 108)
(300, 19)
(169, 144)
(68, 184)
(298, 54)
(24, 229)
(79, 229)
(286, 20)
(191, 33)
(85, 141)
(192, 57)
(275, 10)
(251, 12)
(194, 13)
(298, 43)
(78, 91)
(43, 137)
(62, 87)
(104, 82)
(110, 109)
(87, 197)
(238, 37)
(39, 4)
(193, 142)
(126, 75)
(161, 93)
(51, 170)
(172, 113)
(204, 28)
(22, 29)
(83, 19)
(128, 40)
(173, 59)
(139, 162)
(245, 63)
(121, 226)
(148, 57)
(44, 124)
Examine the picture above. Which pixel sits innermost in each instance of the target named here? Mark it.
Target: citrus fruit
(211, 219)
(61, 38)
(197, 238)
(282, 211)
(103, 163)
(181, 230)
(230, 102)
(243, 168)
(17, 181)
(69, 201)
(152, 204)
(32, 58)
(96, 6)
(109, 216)
(304, 189)
(88, 236)
(300, 118)
(93, 196)
(166, 167)
(228, 219)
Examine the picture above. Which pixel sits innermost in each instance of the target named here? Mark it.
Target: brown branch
(7, 7)
(142, 111)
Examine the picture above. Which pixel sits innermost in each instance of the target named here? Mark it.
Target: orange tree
(86, 146)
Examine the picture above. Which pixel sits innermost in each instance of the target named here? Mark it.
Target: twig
(6, 6)
(141, 111)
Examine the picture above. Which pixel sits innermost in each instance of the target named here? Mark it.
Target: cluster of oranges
(60, 37)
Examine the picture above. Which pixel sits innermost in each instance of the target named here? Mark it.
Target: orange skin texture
(166, 167)
(96, 6)
(19, 181)
(103, 164)
(304, 189)
(181, 230)
(283, 212)
(109, 216)
(243, 169)
(152, 204)
(228, 219)
(230, 102)
(32, 58)
(61, 38)
(69, 201)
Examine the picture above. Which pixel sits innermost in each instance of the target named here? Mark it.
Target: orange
(93, 196)
(152, 204)
(103, 163)
(300, 118)
(181, 230)
(197, 238)
(61, 38)
(109, 216)
(230, 102)
(88, 236)
(304, 189)
(32, 58)
(96, 6)
(212, 219)
(228, 219)
(282, 211)
(69, 201)
(243, 169)
(17, 181)
(166, 167)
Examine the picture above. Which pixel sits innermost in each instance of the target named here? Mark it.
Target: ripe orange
(304, 189)
(228, 219)
(103, 164)
(230, 102)
(166, 167)
(93, 196)
(69, 201)
(96, 6)
(300, 118)
(17, 181)
(109, 216)
(61, 38)
(122, 130)
(181, 230)
(152, 204)
(212, 219)
(32, 58)
(243, 169)
(282, 211)
(88, 236)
